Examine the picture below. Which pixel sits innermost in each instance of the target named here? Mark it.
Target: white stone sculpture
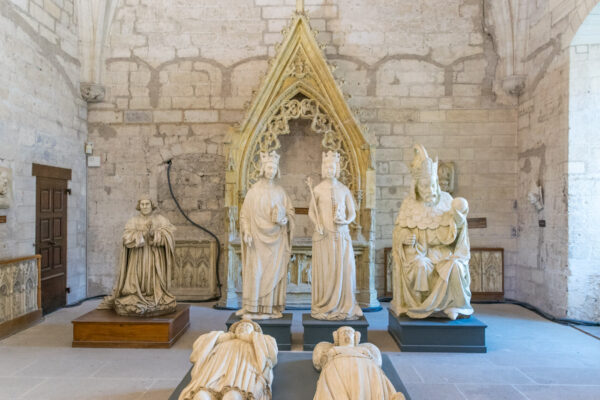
(147, 259)
(266, 226)
(5, 187)
(333, 267)
(536, 196)
(431, 248)
(237, 365)
(351, 371)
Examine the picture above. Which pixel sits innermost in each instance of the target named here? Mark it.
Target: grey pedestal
(280, 328)
(318, 330)
(295, 378)
(438, 335)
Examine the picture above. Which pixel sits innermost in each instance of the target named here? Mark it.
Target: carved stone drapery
(300, 86)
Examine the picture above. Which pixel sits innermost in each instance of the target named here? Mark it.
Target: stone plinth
(295, 378)
(105, 328)
(280, 328)
(438, 335)
(318, 330)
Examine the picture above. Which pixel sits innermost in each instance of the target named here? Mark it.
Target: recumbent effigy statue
(236, 365)
(147, 257)
(431, 248)
(266, 226)
(351, 370)
(331, 210)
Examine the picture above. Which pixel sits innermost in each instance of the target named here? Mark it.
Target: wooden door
(51, 240)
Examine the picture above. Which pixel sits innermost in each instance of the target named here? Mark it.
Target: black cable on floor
(80, 302)
(170, 163)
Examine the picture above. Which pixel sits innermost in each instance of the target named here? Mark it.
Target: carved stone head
(330, 165)
(245, 327)
(424, 176)
(346, 336)
(269, 165)
(145, 205)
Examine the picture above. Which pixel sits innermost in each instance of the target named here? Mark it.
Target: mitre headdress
(422, 166)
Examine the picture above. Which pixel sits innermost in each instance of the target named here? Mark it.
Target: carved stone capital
(514, 85)
(92, 92)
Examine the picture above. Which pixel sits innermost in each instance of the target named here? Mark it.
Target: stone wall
(543, 253)
(584, 171)
(42, 120)
(177, 77)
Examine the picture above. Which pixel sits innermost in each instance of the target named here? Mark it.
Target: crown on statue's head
(269, 158)
(422, 166)
(331, 157)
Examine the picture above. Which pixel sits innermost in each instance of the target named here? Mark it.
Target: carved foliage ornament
(321, 123)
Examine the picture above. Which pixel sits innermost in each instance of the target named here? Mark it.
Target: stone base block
(438, 335)
(280, 328)
(318, 330)
(105, 328)
(295, 377)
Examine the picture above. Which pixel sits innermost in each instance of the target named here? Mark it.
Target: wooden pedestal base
(105, 328)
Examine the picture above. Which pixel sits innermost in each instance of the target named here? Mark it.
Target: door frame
(47, 171)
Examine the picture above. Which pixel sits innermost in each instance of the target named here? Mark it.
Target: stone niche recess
(300, 111)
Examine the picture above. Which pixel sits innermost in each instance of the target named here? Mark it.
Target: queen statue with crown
(266, 226)
(431, 248)
(331, 210)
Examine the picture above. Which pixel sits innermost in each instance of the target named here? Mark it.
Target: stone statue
(266, 226)
(431, 248)
(147, 260)
(351, 371)
(237, 365)
(5, 188)
(333, 267)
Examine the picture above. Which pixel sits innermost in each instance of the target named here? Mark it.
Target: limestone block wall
(544, 268)
(42, 120)
(177, 77)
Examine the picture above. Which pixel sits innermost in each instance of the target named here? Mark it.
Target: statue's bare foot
(451, 314)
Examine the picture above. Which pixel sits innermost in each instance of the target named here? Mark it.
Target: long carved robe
(225, 362)
(333, 265)
(433, 276)
(351, 373)
(265, 262)
(144, 267)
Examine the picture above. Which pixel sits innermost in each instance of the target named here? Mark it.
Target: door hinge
(68, 290)
(68, 191)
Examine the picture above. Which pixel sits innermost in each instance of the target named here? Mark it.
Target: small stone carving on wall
(193, 276)
(18, 288)
(487, 273)
(5, 187)
(446, 176)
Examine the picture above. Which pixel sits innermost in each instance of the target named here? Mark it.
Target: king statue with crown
(431, 248)
(266, 226)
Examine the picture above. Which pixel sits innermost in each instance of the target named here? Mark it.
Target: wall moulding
(300, 86)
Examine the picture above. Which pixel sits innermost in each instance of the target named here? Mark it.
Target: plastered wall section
(177, 77)
(584, 181)
(42, 120)
(544, 270)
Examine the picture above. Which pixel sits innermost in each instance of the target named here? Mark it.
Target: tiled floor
(528, 358)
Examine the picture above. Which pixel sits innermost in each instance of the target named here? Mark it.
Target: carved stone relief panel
(6, 193)
(193, 276)
(18, 289)
(487, 273)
